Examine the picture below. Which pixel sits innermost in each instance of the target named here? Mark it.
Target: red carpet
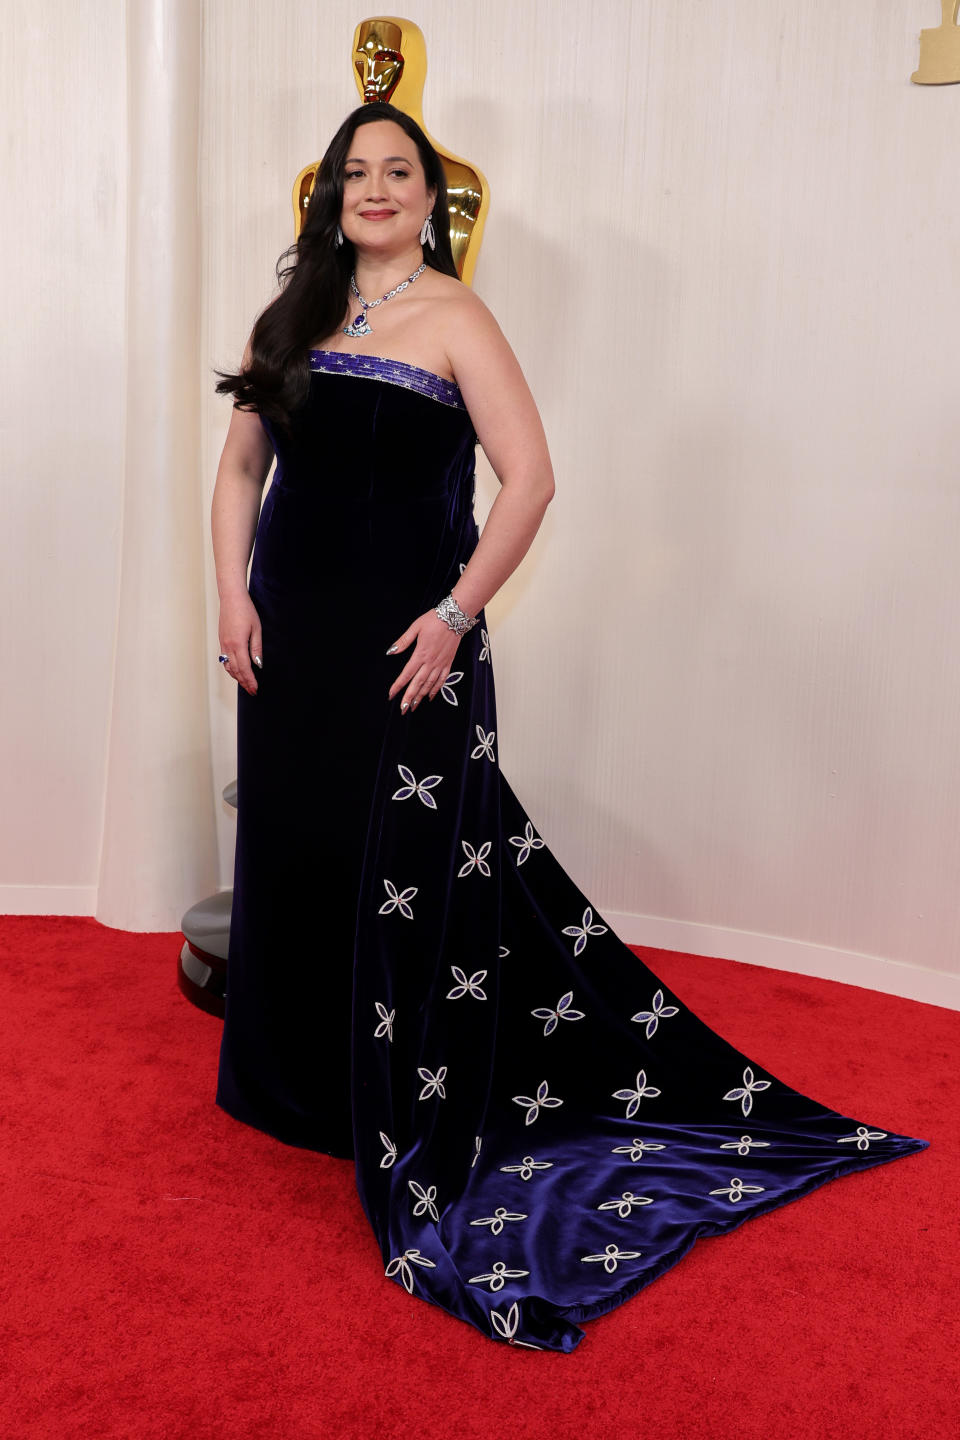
(168, 1272)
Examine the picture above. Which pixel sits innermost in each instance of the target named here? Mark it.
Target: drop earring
(426, 232)
(338, 238)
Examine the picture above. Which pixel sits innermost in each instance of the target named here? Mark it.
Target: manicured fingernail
(258, 661)
(392, 650)
(403, 704)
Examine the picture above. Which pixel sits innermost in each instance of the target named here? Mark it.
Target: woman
(405, 984)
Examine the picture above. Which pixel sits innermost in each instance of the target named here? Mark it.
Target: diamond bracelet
(450, 611)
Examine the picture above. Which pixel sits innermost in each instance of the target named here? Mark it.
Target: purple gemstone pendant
(359, 326)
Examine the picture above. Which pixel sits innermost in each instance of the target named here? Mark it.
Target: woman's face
(385, 196)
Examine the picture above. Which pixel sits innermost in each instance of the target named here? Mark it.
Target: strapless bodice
(393, 372)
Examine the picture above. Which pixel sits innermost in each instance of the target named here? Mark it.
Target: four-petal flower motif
(496, 1276)
(496, 1220)
(401, 1263)
(736, 1190)
(744, 1092)
(612, 1256)
(398, 900)
(391, 1154)
(633, 1097)
(744, 1144)
(475, 858)
(863, 1137)
(587, 927)
(528, 841)
(636, 1149)
(525, 1171)
(506, 1326)
(434, 1085)
(485, 746)
(654, 1016)
(413, 786)
(447, 690)
(535, 1102)
(386, 1021)
(485, 648)
(624, 1206)
(426, 1200)
(465, 986)
(562, 1012)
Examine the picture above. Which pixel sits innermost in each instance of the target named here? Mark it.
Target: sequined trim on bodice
(394, 372)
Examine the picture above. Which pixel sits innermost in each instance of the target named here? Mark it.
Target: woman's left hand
(429, 665)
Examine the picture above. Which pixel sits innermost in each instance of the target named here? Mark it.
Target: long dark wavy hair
(315, 284)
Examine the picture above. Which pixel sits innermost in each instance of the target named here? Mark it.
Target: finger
(412, 690)
(402, 643)
(239, 666)
(419, 686)
(256, 645)
(409, 671)
(438, 684)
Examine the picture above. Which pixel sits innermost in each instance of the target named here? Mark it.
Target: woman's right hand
(241, 638)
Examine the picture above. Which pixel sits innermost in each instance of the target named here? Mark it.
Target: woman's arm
(244, 466)
(508, 426)
(234, 512)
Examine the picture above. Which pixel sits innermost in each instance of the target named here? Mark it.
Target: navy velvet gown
(539, 1126)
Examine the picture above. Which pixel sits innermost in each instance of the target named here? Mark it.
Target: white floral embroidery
(548, 1102)
(626, 1203)
(399, 1262)
(396, 900)
(742, 1146)
(506, 1325)
(525, 1171)
(503, 951)
(636, 1149)
(477, 1142)
(486, 744)
(465, 986)
(654, 1016)
(386, 1021)
(495, 1221)
(425, 1200)
(391, 1154)
(586, 928)
(612, 1256)
(446, 689)
(744, 1092)
(635, 1096)
(475, 858)
(528, 841)
(434, 1085)
(497, 1276)
(485, 649)
(562, 1012)
(863, 1137)
(420, 788)
(736, 1190)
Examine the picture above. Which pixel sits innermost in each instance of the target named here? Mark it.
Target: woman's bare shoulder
(466, 320)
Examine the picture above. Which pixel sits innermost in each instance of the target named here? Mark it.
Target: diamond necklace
(359, 326)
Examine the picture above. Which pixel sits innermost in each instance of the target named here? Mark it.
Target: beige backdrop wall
(722, 242)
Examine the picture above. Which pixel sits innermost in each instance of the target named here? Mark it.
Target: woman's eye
(351, 174)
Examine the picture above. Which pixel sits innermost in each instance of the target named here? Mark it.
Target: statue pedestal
(202, 962)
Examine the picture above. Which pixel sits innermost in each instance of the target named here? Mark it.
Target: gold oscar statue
(390, 63)
(940, 50)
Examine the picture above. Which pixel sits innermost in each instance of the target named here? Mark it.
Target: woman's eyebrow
(359, 160)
